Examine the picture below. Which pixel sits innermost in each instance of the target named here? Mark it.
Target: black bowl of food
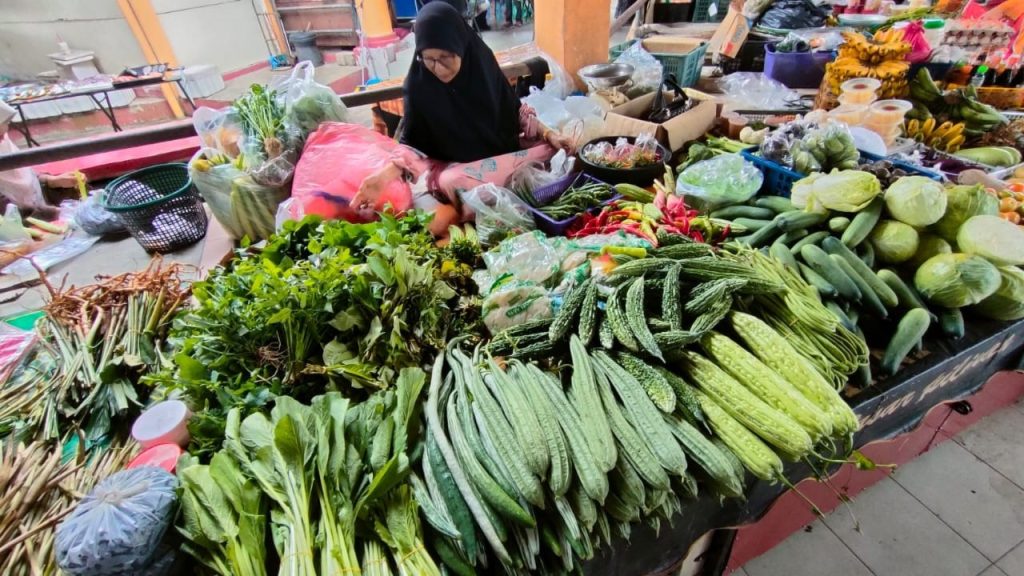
(622, 160)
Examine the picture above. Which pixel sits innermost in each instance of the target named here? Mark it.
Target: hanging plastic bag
(499, 213)
(560, 85)
(93, 218)
(308, 103)
(647, 70)
(118, 526)
(721, 181)
(218, 130)
(336, 160)
(241, 205)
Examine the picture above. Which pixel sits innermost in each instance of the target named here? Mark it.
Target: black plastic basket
(159, 206)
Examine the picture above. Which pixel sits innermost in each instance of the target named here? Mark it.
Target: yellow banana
(927, 127)
(955, 144)
(913, 128)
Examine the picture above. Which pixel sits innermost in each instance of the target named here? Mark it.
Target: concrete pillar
(152, 39)
(573, 32)
(375, 22)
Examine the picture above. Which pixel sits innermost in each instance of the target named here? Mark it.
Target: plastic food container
(163, 456)
(852, 114)
(859, 91)
(890, 111)
(164, 423)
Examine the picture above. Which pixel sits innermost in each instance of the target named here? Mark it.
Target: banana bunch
(881, 57)
(960, 105)
(947, 137)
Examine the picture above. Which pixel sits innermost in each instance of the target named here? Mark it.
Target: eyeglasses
(446, 61)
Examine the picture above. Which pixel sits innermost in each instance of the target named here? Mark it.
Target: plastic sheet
(793, 14)
(647, 70)
(336, 160)
(755, 91)
(499, 213)
(93, 218)
(50, 256)
(117, 528)
(721, 181)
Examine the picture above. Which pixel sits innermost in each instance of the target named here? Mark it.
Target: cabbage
(916, 200)
(842, 191)
(893, 241)
(992, 237)
(1008, 301)
(963, 202)
(956, 280)
(929, 246)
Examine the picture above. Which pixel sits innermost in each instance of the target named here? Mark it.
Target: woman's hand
(559, 141)
(373, 186)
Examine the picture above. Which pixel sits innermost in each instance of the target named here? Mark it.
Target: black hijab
(476, 115)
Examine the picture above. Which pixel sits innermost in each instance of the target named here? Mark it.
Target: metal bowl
(604, 76)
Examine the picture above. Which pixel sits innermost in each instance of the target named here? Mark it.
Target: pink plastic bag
(336, 159)
(920, 49)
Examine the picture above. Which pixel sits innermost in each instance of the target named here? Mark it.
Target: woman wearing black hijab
(461, 113)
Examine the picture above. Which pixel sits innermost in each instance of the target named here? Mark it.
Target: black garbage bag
(794, 14)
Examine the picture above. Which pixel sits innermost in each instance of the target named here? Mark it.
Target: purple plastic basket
(552, 192)
(796, 69)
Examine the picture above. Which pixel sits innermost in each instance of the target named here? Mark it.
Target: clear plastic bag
(514, 304)
(307, 102)
(643, 151)
(11, 228)
(720, 181)
(62, 251)
(93, 218)
(532, 176)
(560, 85)
(117, 528)
(243, 206)
(755, 91)
(499, 213)
(218, 130)
(647, 70)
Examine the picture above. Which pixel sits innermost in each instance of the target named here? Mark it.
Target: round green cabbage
(893, 241)
(1008, 301)
(962, 203)
(930, 245)
(992, 237)
(956, 280)
(916, 200)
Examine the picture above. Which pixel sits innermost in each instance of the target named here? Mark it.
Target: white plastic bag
(647, 70)
(499, 213)
(560, 85)
(118, 526)
(307, 102)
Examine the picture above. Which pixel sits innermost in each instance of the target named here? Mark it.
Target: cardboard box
(671, 45)
(629, 120)
(731, 34)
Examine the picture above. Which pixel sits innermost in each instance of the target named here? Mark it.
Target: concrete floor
(957, 510)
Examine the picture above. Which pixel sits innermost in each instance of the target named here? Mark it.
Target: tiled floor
(957, 510)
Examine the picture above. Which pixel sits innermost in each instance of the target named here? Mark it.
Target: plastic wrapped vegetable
(963, 203)
(842, 191)
(117, 528)
(894, 242)
(957, 280)
(916, 200)
(993, 238)
(1007, 303)
(720, 181)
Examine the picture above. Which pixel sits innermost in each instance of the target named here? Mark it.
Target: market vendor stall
(600, 360)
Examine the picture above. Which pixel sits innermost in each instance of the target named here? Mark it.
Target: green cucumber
(838, 224)
(834, 246)
(791, 237)
(867, 294)
(733, 212)
(837, 310)
(799, 220)
(819, 261)
(952, 323)
(781, 253)
(905, 293)
(909, 332)
(762, 236)
(867, 254)
(863, 223)
(751, 224)
(812, 238)
(776, 204)
(826, 289)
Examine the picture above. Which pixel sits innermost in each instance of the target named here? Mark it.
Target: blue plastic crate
(779, 179)
(552, 192)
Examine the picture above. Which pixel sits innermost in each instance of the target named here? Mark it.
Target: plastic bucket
(796, 69)
(305, 47)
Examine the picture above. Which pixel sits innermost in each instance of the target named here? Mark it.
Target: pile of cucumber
(832, 254)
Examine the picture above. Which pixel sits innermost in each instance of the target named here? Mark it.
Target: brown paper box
(730, 35)
(628, 120)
